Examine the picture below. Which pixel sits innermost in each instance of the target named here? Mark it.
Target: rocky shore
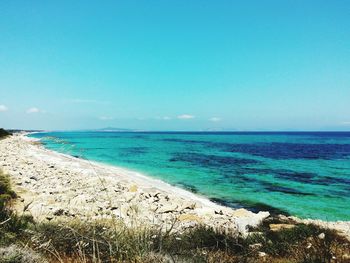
(54, 186)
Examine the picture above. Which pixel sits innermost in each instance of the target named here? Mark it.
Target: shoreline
(138, 177)
(59, 186)
(78, 193)
(274, 211)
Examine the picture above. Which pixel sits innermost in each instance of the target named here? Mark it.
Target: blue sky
(175, 65)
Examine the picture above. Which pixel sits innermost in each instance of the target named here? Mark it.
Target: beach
(54, 186)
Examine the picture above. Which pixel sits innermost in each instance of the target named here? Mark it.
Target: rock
(58, 212)
(155, 199)
(244, 219)
(168, 208)
(242, 213)
(154, 207)
(33, 178)
(129, 197)
(283, 218)
(321, 236)
(133, 188)
(187, 205)
(278, 227)
(255, 246)
(189, 217)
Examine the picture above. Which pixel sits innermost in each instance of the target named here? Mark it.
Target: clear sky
(175, 65)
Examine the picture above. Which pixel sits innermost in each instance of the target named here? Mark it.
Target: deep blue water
(306, 174)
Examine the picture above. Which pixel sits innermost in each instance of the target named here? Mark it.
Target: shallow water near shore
(302, 174)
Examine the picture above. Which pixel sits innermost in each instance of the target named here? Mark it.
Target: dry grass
(100, 242)
(112, 241)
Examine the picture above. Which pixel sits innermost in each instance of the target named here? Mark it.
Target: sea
(304, 174)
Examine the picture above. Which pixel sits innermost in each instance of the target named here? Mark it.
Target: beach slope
(54, 186)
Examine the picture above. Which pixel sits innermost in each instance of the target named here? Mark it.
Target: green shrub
(6, 193)
(11, 225)
(4, 133)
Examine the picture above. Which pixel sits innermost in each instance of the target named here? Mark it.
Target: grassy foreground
(24, 241)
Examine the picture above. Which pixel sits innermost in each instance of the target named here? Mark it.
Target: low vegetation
(4, 133)
(23, 240)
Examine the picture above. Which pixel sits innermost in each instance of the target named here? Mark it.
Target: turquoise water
(302, 174)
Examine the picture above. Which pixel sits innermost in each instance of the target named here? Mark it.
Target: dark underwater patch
(257, 207)
(310, 178)
(328, 180)
(139, 136)
(251, 206)
(338, 194)
(294, 176)
(241, 176)
(211, 161)
(185, 141)
(283, 174)
(225, 202)
(277, 150)
(266, 186)
(133, 151)
(282, 189)
(290, 150)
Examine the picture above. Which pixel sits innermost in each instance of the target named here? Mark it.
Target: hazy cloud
(87, 101)
(165, 118)
(215, 119)
(185, 117)
(106, 118)
(345, 123)
(3, 108)
(33, 110)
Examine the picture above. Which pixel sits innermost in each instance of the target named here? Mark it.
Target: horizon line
(183, 131)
